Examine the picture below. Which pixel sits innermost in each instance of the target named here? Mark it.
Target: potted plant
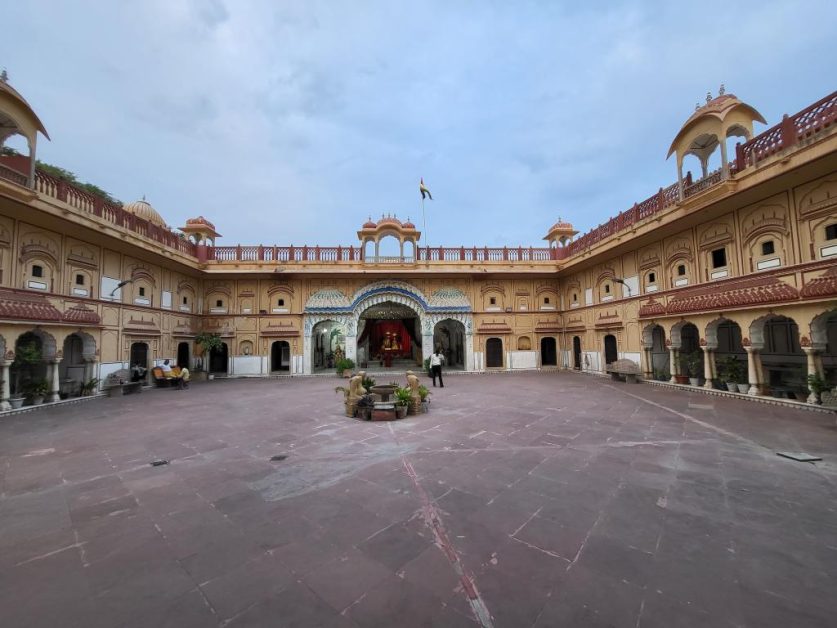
(731, 371)
(424, 395)
(89, 387)
(38, 391)
(365, 405)
(344, 367)
(817, 385)
(403, 397)
(742, 382)
(367, 382)
(26, 354)
(694, 365)
(208, 342)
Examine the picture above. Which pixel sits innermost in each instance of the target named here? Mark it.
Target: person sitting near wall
(184, 378)
(166, 368)
(138, 372)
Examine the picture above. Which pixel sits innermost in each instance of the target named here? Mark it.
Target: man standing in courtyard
(436, 366)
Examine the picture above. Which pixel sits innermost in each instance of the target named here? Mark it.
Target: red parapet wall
(97, 206)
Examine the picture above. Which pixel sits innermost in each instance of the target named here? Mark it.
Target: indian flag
(424, 191)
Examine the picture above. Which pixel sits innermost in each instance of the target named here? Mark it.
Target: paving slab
(538, 499)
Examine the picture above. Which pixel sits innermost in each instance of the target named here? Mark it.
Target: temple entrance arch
(388, 300)
(449, 335)
(389, 336)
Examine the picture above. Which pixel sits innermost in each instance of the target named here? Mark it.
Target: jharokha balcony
(779, 142)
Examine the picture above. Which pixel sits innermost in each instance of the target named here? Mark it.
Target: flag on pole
(424, 191)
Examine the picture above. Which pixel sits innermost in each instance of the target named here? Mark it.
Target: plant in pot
(38, 391)
(26, 354)
(365, 405)
(208, 342)
(344, 367)
(817, 385)
(731, 371)
(367, 382)
(89, 387)
(694, 366)
(403, 397)
(683, 376)
(424, 396)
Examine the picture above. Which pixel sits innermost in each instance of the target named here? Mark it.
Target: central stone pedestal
(384, 411)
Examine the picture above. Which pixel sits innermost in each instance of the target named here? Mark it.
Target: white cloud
(293, 121)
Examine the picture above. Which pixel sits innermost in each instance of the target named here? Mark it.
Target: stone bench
(119, 383)
(627, 369)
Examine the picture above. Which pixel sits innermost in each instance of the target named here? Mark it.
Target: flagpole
(424, 225)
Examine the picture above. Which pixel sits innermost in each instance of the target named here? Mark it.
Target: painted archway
(333, 304)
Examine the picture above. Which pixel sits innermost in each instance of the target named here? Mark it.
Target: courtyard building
(737, 258)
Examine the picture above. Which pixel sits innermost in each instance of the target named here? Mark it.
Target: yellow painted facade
(752, 245)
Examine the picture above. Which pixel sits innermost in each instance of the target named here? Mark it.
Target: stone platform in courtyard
(566, 500)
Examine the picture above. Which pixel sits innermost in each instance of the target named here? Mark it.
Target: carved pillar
(675, 366)
(54, 383)
(649, 363)
(708, 366)
(811, 354)
(6, 392)
(752, 370)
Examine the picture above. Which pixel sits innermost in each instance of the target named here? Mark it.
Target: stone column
(6, 390)
(811, 354)
(55, 384)
(752, 370)
(675, 366)
(649, 363)
(708, 366)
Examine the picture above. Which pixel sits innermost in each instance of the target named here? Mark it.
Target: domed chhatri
(200, 230)
(143, 209)
(708, 128)
(560, 234)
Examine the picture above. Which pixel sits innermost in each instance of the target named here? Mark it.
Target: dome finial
(708, 96)
(697, 106)
(4, 76)
(722, 90)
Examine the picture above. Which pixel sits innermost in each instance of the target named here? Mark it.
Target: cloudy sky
(290, 122)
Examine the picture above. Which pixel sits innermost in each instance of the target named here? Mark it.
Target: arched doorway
(783, 363)
(389, 337)
(139, 361)
(824, 339)
(494, 353)
(71, 369)
(280, 356)
(328, 344)
(219, 359)
(576, 353)
(657, 354)
(611, 353)
(549, 353)
(449, 334)
(183, 354)
(29, 367)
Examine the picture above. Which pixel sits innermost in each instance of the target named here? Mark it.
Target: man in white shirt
(436, 366)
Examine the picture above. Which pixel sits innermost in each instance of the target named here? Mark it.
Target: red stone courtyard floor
(520, 500)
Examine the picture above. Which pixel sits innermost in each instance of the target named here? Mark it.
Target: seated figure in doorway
(138, 372)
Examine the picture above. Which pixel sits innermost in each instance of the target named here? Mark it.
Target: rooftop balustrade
(791, 131)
